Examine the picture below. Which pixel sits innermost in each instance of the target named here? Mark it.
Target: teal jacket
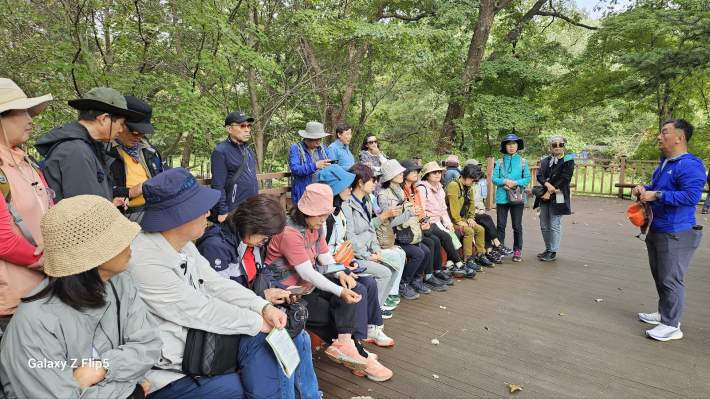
(516, 168)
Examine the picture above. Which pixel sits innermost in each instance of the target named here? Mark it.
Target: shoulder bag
(516, 195)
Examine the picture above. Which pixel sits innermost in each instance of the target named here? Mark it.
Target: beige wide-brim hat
(314, 131)
(432, 166)
(12, 97)
(390, 169)
(83, 232)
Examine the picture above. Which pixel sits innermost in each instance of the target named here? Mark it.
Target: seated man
(182, 291)
(135, 160)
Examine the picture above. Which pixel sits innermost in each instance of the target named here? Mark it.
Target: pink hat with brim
(317, 200)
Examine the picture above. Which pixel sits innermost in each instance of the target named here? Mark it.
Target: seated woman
(485, 220)
(434, 195)
(236, 249)
(417, 254)
(332, 307)
(183, 292)
(87, 310)
(434, 282)
(370, 314)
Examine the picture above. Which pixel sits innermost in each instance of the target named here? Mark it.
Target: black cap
(237, 117)
(417, 157)
(144, 126)
(409, 166)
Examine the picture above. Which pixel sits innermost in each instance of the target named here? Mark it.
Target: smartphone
(426, 219)
(400, 203)
(302, 290)
(333, 161)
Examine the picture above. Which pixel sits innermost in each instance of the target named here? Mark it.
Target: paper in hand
(284, 349)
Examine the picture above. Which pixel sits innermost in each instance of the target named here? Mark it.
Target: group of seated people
(75, 325)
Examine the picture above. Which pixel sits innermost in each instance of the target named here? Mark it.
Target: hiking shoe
(406, 292)
(419, 287)
(663, 332)
(471, 269)
(494, 257)
(541, 254)
(705, 210)
(456, 271)
(389, 304)
(471, 264)
(503, 250)
(378, 337)
(483, 261)
(375, 371)
(650, 318)
(444, 278)
(394, 298)
(549, 257)
(516, 256)
(386, 314)
(434, 284)
(347, 354)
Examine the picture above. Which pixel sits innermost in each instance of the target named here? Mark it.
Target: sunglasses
(243, 125)
(372, 142)
(557, 145)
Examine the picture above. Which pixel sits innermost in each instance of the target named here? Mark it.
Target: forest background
(428, 77)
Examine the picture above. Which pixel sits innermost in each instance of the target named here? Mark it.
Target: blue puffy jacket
(516, 168)
(681, 181)
(303, 169)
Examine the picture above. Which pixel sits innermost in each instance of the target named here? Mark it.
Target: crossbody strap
(118, 312)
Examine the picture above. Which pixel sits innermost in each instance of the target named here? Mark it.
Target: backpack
(100, 175)
(302, 154)
(7, 194)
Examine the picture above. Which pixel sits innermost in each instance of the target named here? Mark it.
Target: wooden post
(489, 178)
(622, 176)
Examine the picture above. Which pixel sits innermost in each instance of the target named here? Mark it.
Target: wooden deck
(506, 325)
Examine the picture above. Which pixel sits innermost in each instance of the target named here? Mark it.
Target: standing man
(340, 149)
(307, 157)
(674, 192)
(75, 159)
(234, 166)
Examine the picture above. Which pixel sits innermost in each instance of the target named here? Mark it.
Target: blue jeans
(551, 226)
(218, 387)
(303, 382)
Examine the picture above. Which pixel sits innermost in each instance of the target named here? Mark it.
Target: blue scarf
(132, 151)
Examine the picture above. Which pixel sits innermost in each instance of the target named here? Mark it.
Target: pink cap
(452, 160)
(317, 200)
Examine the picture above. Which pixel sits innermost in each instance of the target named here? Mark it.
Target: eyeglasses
(374, 179)
(243, 125)
(372, 142)
(556, 145)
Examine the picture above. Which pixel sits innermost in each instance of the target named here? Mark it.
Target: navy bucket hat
(511, 137)
(336, 177)
(174, 198)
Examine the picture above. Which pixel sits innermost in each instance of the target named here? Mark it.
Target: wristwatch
(658, 194)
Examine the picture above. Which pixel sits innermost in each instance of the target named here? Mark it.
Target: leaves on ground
(435, 376)
(514, 388)
(620, 224)
(598, 300)
(442, 307)
(562, 314)
(575, 222)
(586, 265)
(435, 341)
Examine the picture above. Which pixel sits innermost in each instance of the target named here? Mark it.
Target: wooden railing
(280, 192)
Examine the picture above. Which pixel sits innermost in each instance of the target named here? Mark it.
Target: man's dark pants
(669, 255)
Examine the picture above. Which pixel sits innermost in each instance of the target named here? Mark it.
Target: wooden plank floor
(505, 326)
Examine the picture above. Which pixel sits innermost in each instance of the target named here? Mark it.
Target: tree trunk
(257, 131)
(666, 110)
(187, 150)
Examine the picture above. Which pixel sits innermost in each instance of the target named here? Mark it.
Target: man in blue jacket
(340, 148)
(234, 156)
(674, 192)
(307, 157)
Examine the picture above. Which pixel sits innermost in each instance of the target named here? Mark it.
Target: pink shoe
(375, 371)
(347, 354)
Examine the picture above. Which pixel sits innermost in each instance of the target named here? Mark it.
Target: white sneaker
(378, 337)
(663, 332)
(650, 318)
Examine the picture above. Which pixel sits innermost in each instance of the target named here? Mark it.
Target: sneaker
(443, 277)
(434, 284)
(471, 264)
(549, 257)
(347, 354)
(419, 287)
(663, 332)
(541, 254)
(394, 298)
(378, 337)
(389, 304)
(483, 261)
(406, 292)
(471, 269)
(386, 314)
(650, 318)
(705, 210)
(369, 354)
(375, 371)
(503, 250)
(516, 256)
(494, 258)
(456, 271)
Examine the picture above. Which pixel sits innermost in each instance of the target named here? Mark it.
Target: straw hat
(12, 97)
(432, 166)
(83, 232)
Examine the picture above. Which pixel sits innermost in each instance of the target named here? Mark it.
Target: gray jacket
(208, 302)
(385, 199)
(50, 330)
(74, 167)
(360, 230)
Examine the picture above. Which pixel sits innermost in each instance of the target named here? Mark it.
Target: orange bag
(345, 254)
